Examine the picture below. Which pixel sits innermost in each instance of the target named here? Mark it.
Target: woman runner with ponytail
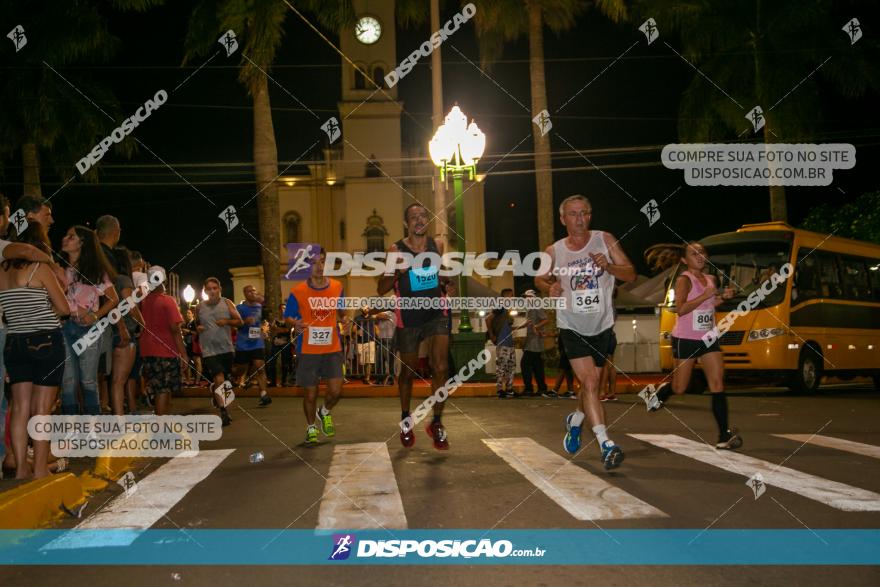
(696, 297)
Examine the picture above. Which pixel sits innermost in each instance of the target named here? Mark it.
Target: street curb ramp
(37, 503)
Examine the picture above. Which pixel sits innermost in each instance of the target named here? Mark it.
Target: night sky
(208, 121)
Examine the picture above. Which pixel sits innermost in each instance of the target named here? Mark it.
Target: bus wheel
(809, 373)
(698, 383)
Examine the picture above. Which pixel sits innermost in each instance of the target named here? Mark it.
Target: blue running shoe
(572, 441)
(612, 456)
(568, 421)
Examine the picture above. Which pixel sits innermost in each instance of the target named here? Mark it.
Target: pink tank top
(695, 324)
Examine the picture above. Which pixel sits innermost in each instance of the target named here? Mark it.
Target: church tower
(353, 200)
(369, 110)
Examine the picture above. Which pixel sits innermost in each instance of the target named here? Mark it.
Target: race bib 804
(703, 320)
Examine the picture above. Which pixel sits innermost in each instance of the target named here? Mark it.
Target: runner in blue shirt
(249, 345)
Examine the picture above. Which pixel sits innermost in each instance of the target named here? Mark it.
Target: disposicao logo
(342, 546)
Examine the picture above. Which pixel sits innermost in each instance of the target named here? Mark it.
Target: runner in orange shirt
(318, 344)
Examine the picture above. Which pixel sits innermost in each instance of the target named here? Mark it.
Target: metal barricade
(366, 353)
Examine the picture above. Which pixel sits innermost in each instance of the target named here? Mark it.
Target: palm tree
(43, 117)
(259, 28)
(758, 52)
(502, 21)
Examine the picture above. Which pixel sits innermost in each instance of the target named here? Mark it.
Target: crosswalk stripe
(858, 448)
(837, 495)
(582, 494)
(361, 490)
(155, 495)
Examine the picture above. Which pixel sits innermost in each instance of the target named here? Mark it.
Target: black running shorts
(686, 348)
(597, 347)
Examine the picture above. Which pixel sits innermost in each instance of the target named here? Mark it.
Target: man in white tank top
(585, 265)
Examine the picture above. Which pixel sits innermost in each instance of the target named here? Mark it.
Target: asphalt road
(492, 478)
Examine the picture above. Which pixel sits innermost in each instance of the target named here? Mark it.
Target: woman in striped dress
(32, 301)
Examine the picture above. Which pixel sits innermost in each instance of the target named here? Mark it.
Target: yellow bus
(824, 320)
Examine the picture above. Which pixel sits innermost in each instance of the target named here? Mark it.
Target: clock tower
(370, 115)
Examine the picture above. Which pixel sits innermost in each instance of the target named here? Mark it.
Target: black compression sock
(719, 410)
(404, 414)
(436, 419)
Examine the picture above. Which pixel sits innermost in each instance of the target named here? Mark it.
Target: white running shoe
(649, 395)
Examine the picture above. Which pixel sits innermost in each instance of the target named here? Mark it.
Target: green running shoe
(312, 435)
(326, 424)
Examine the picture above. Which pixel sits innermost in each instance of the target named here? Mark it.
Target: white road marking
(154, 497)
(361, 490)
(837, 495)
(582, 494)
(867, 450)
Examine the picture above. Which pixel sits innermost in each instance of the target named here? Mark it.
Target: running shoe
(730, 440)
(612, 456)
(326, 424)
(608, 398)
(265, 400)
(312, 435)
(649, 395)
(572, 441)
(438, 434)
(505, 394)
(568, 394)
(549, 393)
(407, 437)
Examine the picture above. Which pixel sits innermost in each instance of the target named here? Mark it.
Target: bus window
(745, 266)
(829, 278)
(855, 279)
(874, 276)
(806, 280)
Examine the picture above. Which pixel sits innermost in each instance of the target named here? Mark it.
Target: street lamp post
(189, 294)
(455, 149)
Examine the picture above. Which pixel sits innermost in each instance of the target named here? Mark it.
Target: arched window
(360, 79)
(375, 233)
(379, 75)
(292, 224)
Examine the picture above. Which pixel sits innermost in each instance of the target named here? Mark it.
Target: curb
(107, 467)
(36, 503)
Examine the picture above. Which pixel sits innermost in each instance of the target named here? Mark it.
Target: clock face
(367, 30)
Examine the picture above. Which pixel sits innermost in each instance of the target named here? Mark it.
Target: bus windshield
(745, 266)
